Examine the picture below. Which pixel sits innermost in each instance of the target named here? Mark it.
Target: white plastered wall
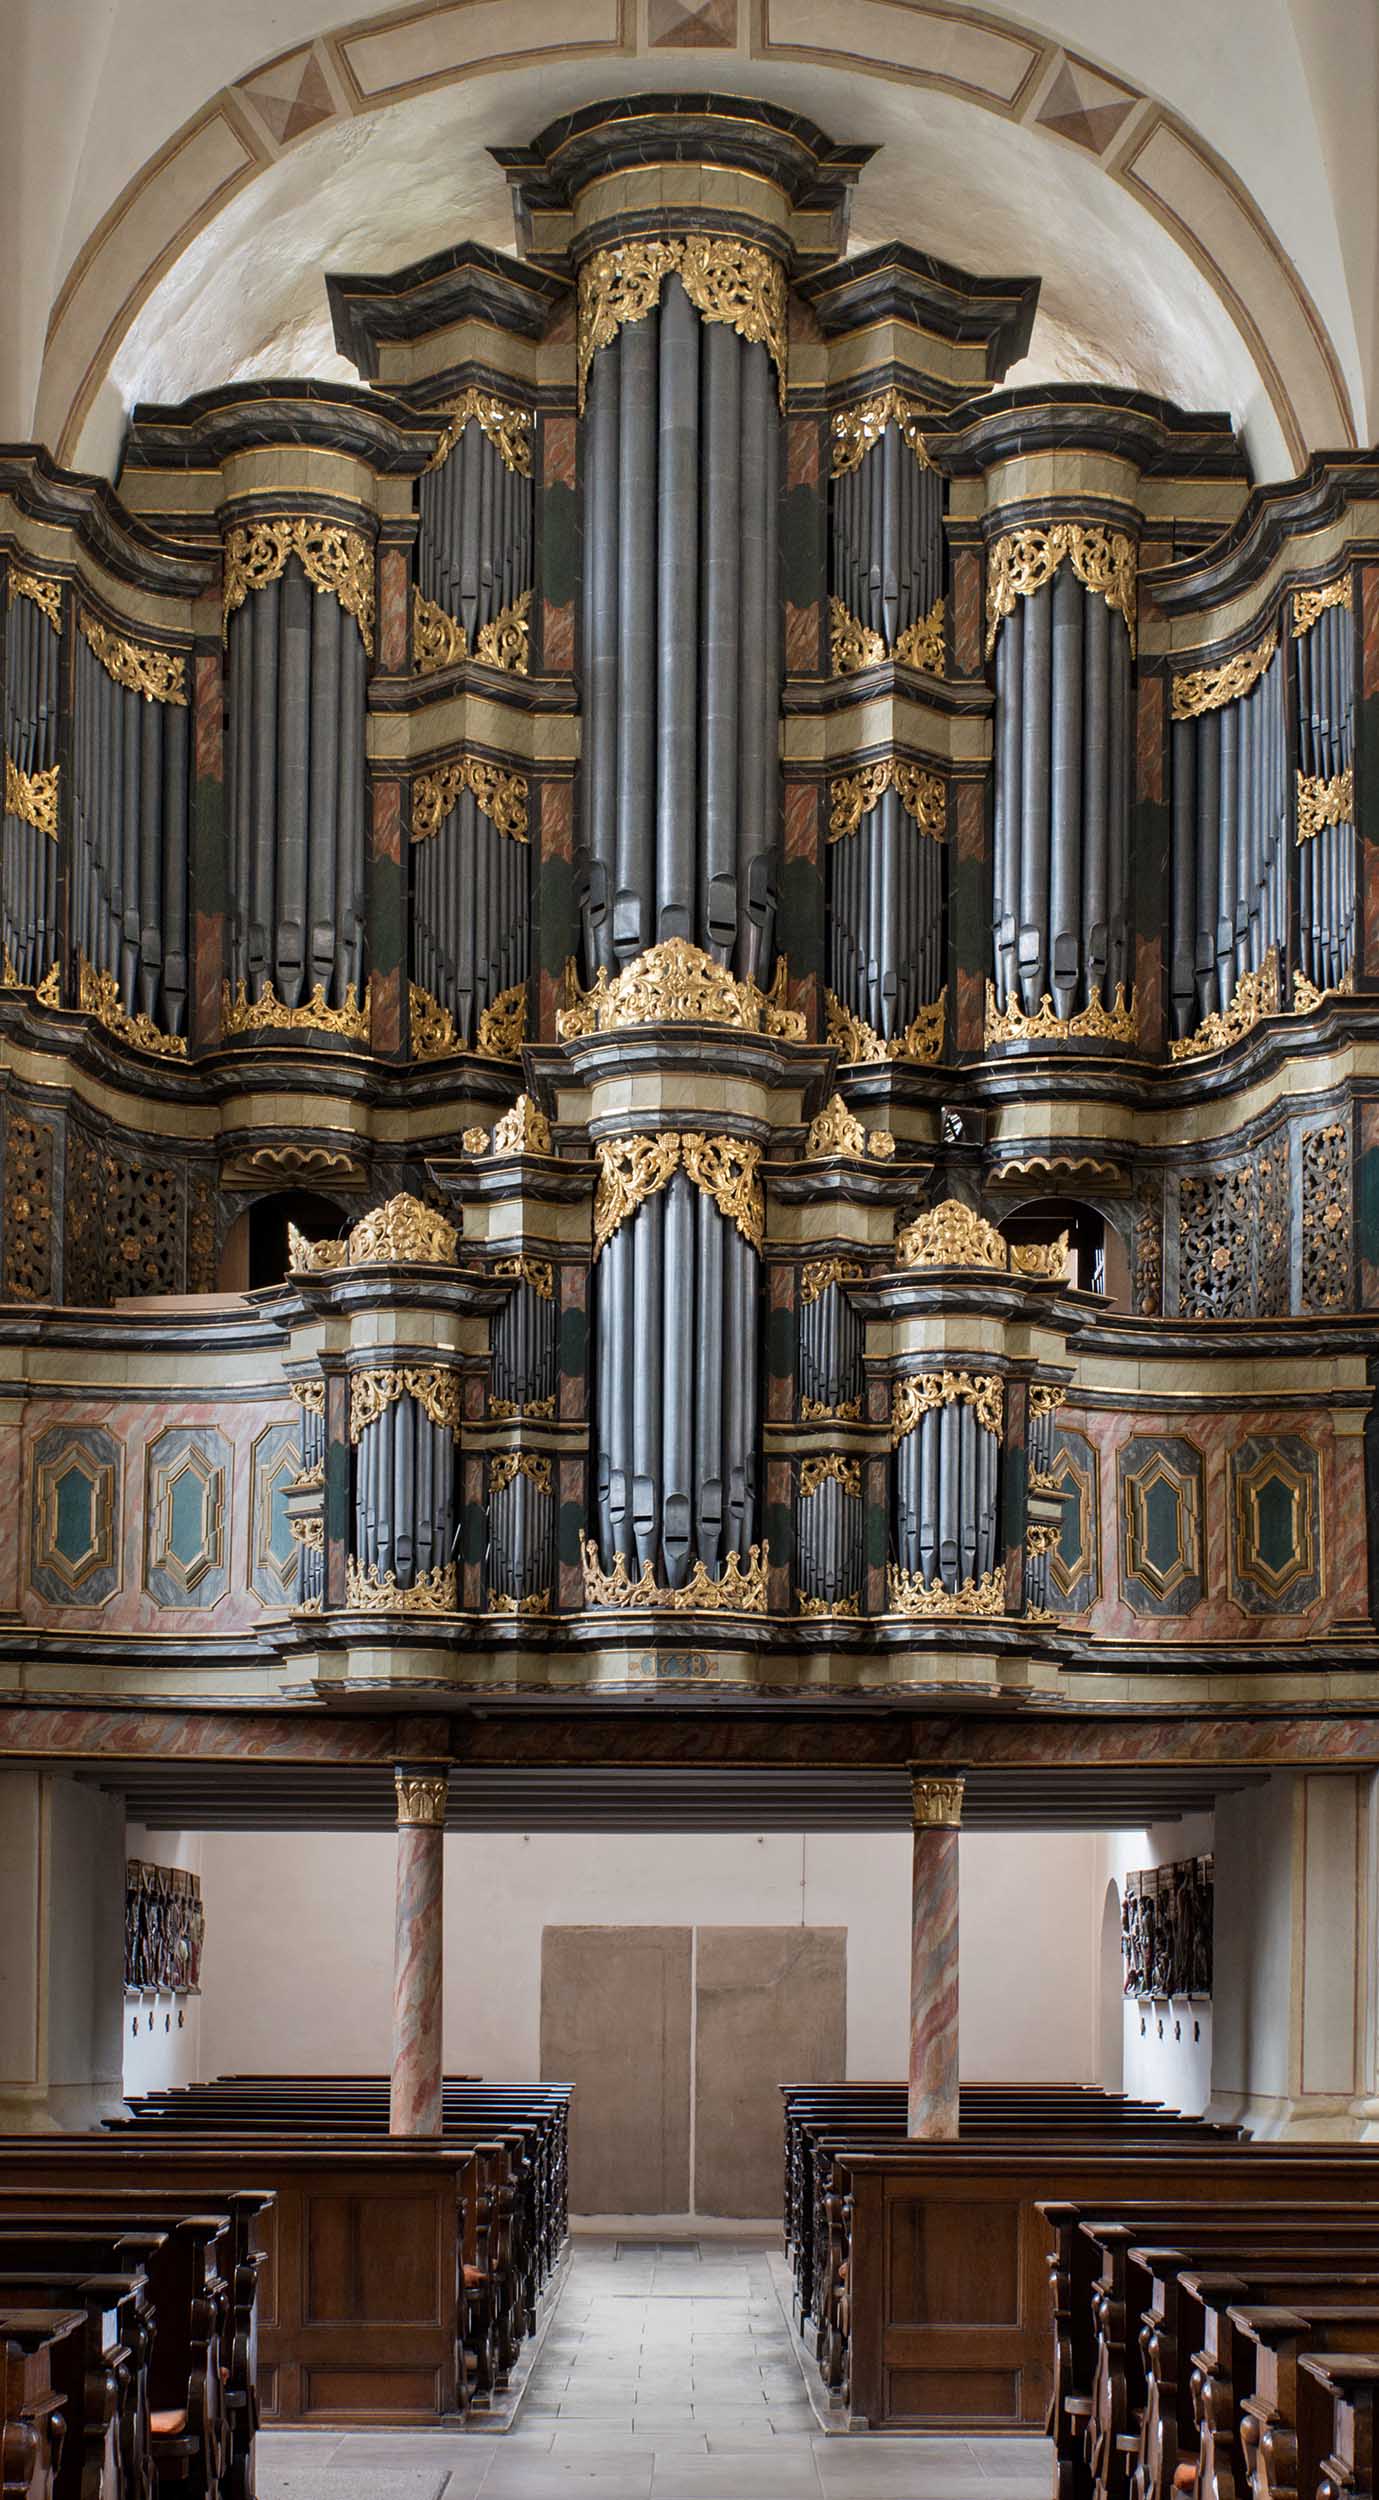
(1165, 2047)
(162, 2033)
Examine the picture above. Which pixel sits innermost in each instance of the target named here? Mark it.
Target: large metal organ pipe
(29, 886)
(681, 641)
(829, 1357)
(1230, 837)
(129, 901)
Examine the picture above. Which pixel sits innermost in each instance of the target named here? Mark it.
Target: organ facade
(686, 992)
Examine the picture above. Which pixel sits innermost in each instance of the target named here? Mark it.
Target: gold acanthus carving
(858, 1044)
(437, 1390)
(307, 1258)
(1307, 996)
(677, 983)
(1201, 690)
(1025, 560)
(98, 995)
(937, 1803)
(1047, 1396)
(1256, 994)
(739, 1589)
(508, 428)
(846, 1472)
(505, 642)
(508, 1411)
(309, 1479)
(431, 1026)
(835, 1131)
(725, 279)
(951, 1235)
(912, 1595)
(509, 1464)
(921, 794)
(32, 796)
(267, 1013)
(1094, 1023)
(1325, 800)
(434, 1592)
(536, 1602)
(421, 1797)
(1041, 1536)
(48, 992)
(438, 639)
(819, 1274)
(403, 1229)
(524, 1130)
(923, 1393)
(828, 1605)
(818, 1411)
(857, 430)
(499, 795)
(501, 1031)
(539, 1274)
(159, 676)
(308, 1532)
(1042, 1480)
(42, 589)
(1046, 1261)
(1308, 605)
(853, 645)
(632, 1169)
(310, 1395)
(333, 559)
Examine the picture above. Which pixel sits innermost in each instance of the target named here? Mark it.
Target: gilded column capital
(937, 1802)
(421, 1795)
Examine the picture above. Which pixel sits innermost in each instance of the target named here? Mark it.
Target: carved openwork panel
(28, 1228)
(1326, 1217)
(1233, 1239)
(75, 1515)
(1166, 1930)
(125, 1222)
(1161, 1561)
(1075, 1560)
(187, 1518)
(1277, 1563)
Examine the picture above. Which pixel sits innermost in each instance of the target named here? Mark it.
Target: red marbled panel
(394, 637)
(557, 818)
(559, 451)
(800, 826)
(967, 612)
(415, 2105)
(1149, 741)
(557, 638)
(802, 452)
(802, 653)
(969, 819)
(933, 2102)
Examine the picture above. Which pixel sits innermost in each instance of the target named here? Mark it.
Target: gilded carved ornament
(1045, 1261)
(159, 676)
(854, 795)
(925, 1393)
(857, 430)
(725, 279)
(439, 639)
(837, 1131)
(306, 1258)
(98, 995)
(1025, 560)
(434, 1592)
(499, 795)
(1256, 994)
(937, 1802)
(1093, 1023)
(268, 1014)
(403, 1229)
(1201, 690)
(537, 1274)
(42, 589)
(536, 1602)
(808, 1605)
(853, 645)
(1041, 1536)
(845, 1472)
(436, 1389)
(508, 1410)
(951, 1235)
(911, 1595)
(333, 559)
(32, 797)
(1307, 997)
(49, 990)
(1047, 1396)
(739, 1589)
(858, 1044)
(421, 1797)
(524, 1130)
(310, 1395)
(634, 1168)
(1308, 605)
(677, 983)
(508, 428)
(308, 1532)
(502, 1026)
(818, 1411)
(508, 1465)
(819, 1274)
(1325, 799)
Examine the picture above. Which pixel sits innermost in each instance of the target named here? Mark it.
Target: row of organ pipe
(886, 918)
(520, 1564)
(471, 915)
(828, 1544)
(946, 1474)
(886, 537)
(28, 890)
(474, 539)
(311, 1558)
(526, 1347)
(829, 1353)
(1060, 886)
(404, 1493)
(1039, 1440)
(1326, 752)
(130, 841)
(1230, 875)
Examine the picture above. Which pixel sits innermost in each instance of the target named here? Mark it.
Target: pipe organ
(695, 805)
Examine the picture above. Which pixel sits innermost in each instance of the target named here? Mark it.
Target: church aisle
(667, 2374)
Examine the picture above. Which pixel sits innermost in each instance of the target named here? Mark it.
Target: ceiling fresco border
(235, 136)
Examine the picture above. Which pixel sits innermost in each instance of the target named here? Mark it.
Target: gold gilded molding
(1045, 1260)
(818, 1411)
(815, 1472)
(922, 794)
(1047, 1396)
(677, 983)
(42, 589)
(738, 1590)
(503, 1025)
(924, 1393)
(333, 559)
(499, 795)
(32, 797)
(1307, 997)
(853, 645)
(539, 1274)
(1256, 994)
(859, 1045)
(402, 1229)
(911, 1595)
(1096, 1022)
(434, 1592)
(725, 279)
(633, 1168)
(818, 1274)
(1325, 800)
(159, 676)
(1308, 605)
(438, 639)
(506, 1465)
(835, 1131)
(505, 642)
(1201, 690)
(437, 1390)
(937, 1803)
(421, 1797)
(828, 1605)
(951, 1235)
(524, 1130)
(267, 1014)
(857, 430)
(508, 427)
(98, 995)
(1025, 560)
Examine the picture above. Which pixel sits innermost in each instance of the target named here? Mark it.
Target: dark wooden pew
(1347, 2383)
(34, 2344)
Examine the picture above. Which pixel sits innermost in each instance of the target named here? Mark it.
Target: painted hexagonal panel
(1075, 1562)
(75, 1516)
(273, 1550)
(1276, 1525)
(187, 1518)
(1160, 1481)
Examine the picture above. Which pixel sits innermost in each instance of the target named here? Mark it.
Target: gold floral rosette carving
(951, 1235)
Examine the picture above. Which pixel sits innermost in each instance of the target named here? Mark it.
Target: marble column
(415, 2101)
(933, 2105)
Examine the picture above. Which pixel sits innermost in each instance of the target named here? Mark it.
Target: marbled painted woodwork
(415, 2107)
(1161, 1524)
(1277, 1557)
(187, 1518)
(933, 2067)
(274, 1461)
(1075, 1561)
(75, 1503)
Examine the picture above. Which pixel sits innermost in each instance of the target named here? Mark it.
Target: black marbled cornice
(1314, 1337)
(976, 1293)
(413, 695)
(129, 547)
(843, 1181)
(893, 282)
(624, 132)
(1162, 440)
(1273, 515)
(173, 1329)
(719, 1050)
(816, 697)
(465, 282)
(382, 431)
(546, 1180)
